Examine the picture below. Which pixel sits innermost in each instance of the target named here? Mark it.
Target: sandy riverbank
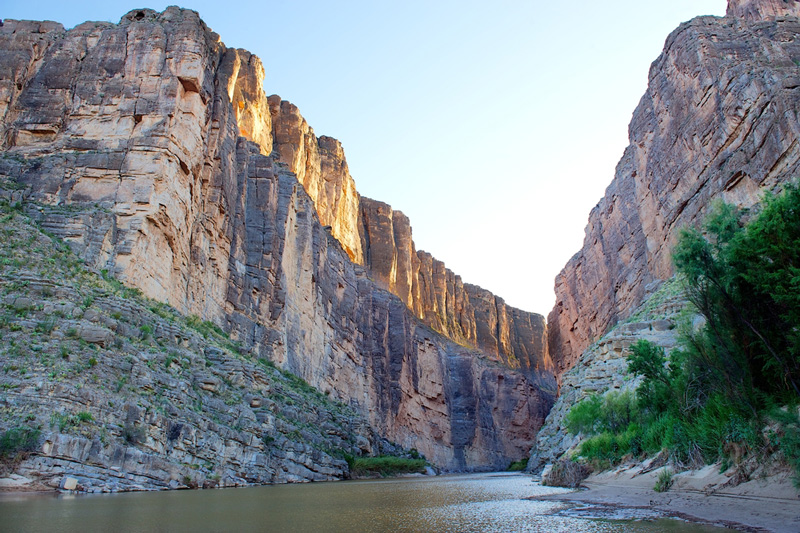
(766, 504)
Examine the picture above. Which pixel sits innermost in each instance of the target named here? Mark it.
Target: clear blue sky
(495, 127)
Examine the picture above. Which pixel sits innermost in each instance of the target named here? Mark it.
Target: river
(463, 503)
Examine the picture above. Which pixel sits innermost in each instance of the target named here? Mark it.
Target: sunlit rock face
(320, 165)
(718, 121)
(465, 313)
(177, 175)
(379, 237)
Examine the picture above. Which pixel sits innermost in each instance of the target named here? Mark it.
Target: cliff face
(718, 120)
(153, 140)
(320, 165)
(465, 313)
(129, 395)
(757, 10)
(375, 235)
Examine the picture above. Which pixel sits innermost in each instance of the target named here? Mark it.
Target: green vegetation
(385, 465)
(64, 421)
(15, 443)
(732, 377)
(204, 327)
(518, 466)
(664, 481)
(48, 296)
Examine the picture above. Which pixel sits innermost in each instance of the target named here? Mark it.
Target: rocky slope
(130, 395)
(173, 172)
(718, 120)
(603, 367)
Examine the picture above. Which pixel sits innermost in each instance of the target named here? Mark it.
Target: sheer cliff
(172, 171)
(379, 237)
(718, 120)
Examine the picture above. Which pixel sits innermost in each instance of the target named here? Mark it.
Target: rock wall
(141, 133)
(718, 120)
(321, 167)
(129, 395)
(757, 10)
(465, 313)
(379, 237)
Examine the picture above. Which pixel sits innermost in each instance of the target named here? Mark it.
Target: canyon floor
(766, 503)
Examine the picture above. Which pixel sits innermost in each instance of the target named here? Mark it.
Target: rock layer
(142, 134)
(718, 120)
(603, 367)
(320, 165)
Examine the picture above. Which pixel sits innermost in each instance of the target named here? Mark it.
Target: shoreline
(705, 496)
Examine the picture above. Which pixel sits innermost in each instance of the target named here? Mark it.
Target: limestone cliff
(153, 139)
(375, 235)
(127, 394)
(465, 313)
(718, 120)
(321, 167)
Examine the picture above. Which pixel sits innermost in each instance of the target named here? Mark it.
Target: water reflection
(443, 504)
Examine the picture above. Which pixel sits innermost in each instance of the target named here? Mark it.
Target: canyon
(152, 150)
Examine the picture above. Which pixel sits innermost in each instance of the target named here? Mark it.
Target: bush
(710, 398)
(584, 416)
(664, 481)
(133, 434)
(386, 465)
(16, 443)
(789, 438)
(518, 466)
(613, 413)
(566, 473)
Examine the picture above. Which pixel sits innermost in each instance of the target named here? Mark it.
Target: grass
(664, 481)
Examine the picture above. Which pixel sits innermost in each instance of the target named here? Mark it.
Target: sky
(495, 127)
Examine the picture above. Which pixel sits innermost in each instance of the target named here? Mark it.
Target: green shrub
(613, 413)
(133, 434)
(789, 438)
(584, 417)
(710, 398)
(664, 481)
(518, 466)
(204, 327)
(47, 325)
(15, 443)
(146, 331)
(386, 465)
